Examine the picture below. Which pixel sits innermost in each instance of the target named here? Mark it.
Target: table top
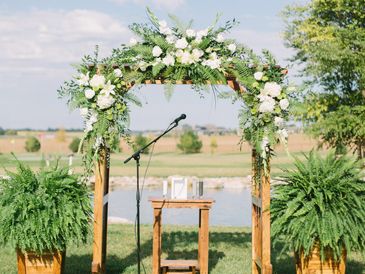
(205, 203)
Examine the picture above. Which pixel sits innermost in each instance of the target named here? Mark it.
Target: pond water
(232, 207)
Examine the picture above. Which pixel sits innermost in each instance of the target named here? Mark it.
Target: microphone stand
(137, 156)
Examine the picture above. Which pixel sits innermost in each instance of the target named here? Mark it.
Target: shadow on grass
(175, 244)
(76, 264)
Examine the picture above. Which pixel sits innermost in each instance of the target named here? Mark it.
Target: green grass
(230, 252)
(166, 164)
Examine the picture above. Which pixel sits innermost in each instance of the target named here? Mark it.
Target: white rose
(258, 75)
(83, 79)
(179, 53)
(142, 65)
(284, 104)
(84, 112)
(171, 39)
(187, 58)
(202, 33)
(213, 64)
(97, 82)
(166, 31)
(220, 38)
(89, 93)
(105, 101)
(133, 41)
(190, 33)
(108, 89)
(169, 60)
(181, 43)
(197, 53)
(232, 47)
(273, 89)
(156, 51)
(118, 73)
(278, 121)
(283, 134)
(267, 104)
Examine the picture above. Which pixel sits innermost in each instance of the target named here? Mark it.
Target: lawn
(164, 164)
(230, 252)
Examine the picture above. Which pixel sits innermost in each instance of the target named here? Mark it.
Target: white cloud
(40, 39)
(162, 4)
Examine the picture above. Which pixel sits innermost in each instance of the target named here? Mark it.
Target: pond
(232, 207)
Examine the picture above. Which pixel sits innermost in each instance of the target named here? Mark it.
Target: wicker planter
(313, 264)
(48, 263)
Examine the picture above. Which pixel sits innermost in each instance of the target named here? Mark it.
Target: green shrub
(2, 131)
(74, 145)
(189, 142)
(321, 202)
(11, 132)
(43, 211)
(139, 142)
(32, 144)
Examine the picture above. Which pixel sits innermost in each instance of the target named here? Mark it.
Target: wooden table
(204, 205)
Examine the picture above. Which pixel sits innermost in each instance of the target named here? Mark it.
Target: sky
(40, 40)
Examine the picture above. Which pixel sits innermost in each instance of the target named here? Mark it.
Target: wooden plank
(204, 241)
(265, 215)
(100, 213)
(169, 203)
(21, 262)
(180, 263)
(156, 246)
(255, 269)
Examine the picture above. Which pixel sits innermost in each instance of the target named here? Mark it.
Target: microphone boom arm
(138, 152)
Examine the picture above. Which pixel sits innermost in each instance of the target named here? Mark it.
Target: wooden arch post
(261, 243)
(100, 212)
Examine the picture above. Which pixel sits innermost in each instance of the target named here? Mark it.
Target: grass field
(227, 161)
(230, 252)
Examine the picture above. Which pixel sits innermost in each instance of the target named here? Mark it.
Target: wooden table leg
(156, 252)
(203, 249)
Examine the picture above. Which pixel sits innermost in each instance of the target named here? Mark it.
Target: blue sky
(40, 39)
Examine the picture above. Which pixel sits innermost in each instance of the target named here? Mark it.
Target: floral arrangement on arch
(101, 89)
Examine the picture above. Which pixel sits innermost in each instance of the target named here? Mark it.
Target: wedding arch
(103, 92)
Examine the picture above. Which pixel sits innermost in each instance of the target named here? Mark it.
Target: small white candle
(194, 189)
(70, 160)
(164, 189)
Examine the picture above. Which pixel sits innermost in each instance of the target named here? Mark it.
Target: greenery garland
(100, 90)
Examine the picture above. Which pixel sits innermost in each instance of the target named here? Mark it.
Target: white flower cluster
(271, 101)
(99, 92)
(186, 49)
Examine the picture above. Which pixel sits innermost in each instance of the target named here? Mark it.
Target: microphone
(178, 119)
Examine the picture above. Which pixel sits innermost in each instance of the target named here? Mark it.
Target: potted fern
(319, 210)
(40, 214)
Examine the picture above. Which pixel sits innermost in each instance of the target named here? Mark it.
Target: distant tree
(328, 41)
(213, 145)
(2, 131)
(139, 142)
(32, 144)
(61, 135)
(189, 142)
(11, 132)
(74, 145)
